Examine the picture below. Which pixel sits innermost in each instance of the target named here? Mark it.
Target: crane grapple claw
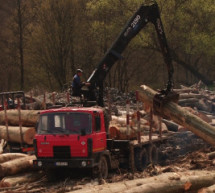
(163, 97)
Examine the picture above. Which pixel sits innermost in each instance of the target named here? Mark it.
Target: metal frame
(6, 95)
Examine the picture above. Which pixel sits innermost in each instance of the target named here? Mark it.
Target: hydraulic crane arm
(144, 15)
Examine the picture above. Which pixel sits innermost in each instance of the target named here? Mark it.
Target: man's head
(79, 72)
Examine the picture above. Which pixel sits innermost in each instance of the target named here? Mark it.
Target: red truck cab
(76, 137)
(70, 137)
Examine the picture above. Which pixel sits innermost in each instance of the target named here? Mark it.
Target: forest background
(42, 43)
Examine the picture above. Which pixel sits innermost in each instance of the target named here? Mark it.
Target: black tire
(140, 159)
(103, 168)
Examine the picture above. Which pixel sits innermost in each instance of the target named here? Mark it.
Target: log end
(29, 136)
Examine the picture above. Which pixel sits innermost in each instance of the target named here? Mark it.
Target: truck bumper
(71, 163)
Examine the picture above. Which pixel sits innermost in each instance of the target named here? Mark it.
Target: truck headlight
(84, 163)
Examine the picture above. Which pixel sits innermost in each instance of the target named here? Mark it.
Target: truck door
(99, 134)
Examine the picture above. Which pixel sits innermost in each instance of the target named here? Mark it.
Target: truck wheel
(140, 159)
(103, 168)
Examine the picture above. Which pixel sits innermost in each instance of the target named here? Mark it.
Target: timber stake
(6, 119)
(138, 118)
(127, 116)
(20, 122)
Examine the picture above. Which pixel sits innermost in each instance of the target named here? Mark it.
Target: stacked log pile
(13, 163)
(118, 126)
(13, 133)
(197, 98)
(48, 100)
(10, 182)
(181, 116)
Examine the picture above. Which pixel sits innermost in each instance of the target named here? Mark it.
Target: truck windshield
(65, 123)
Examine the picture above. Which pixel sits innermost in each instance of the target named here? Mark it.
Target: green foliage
(62, 35)
(191, 23)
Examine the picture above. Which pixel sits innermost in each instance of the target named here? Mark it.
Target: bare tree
(54, 39)
(21, 54)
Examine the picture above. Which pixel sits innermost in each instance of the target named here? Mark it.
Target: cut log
(213, 122)
(29, 99)
(171, 125)
(16, 166)
(28, 134)
(3, 143)
(211, 155)
(116, 132)
(210, 189)
(180, 116)
(118, 120)
(165, 183)
(28, 117)
(156, 123)
(190, 95)
(19, 179)
(199, 114)
(10, 156)
(193, 101)
(122, 121)
(33, 103)
(34, 106)
(204, 105)
(186, 90)
(119, 132)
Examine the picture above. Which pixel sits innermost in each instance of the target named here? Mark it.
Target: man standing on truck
(77, 84)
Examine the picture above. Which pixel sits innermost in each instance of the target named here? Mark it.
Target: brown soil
(184, 151)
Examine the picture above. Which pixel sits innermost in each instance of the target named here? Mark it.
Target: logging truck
(77, 137)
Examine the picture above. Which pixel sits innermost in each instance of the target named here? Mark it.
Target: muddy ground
(184, 151)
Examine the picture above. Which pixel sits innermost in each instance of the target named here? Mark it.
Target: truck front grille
(62, 152)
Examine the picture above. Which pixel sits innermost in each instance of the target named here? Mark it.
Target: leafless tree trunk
(21, 54)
